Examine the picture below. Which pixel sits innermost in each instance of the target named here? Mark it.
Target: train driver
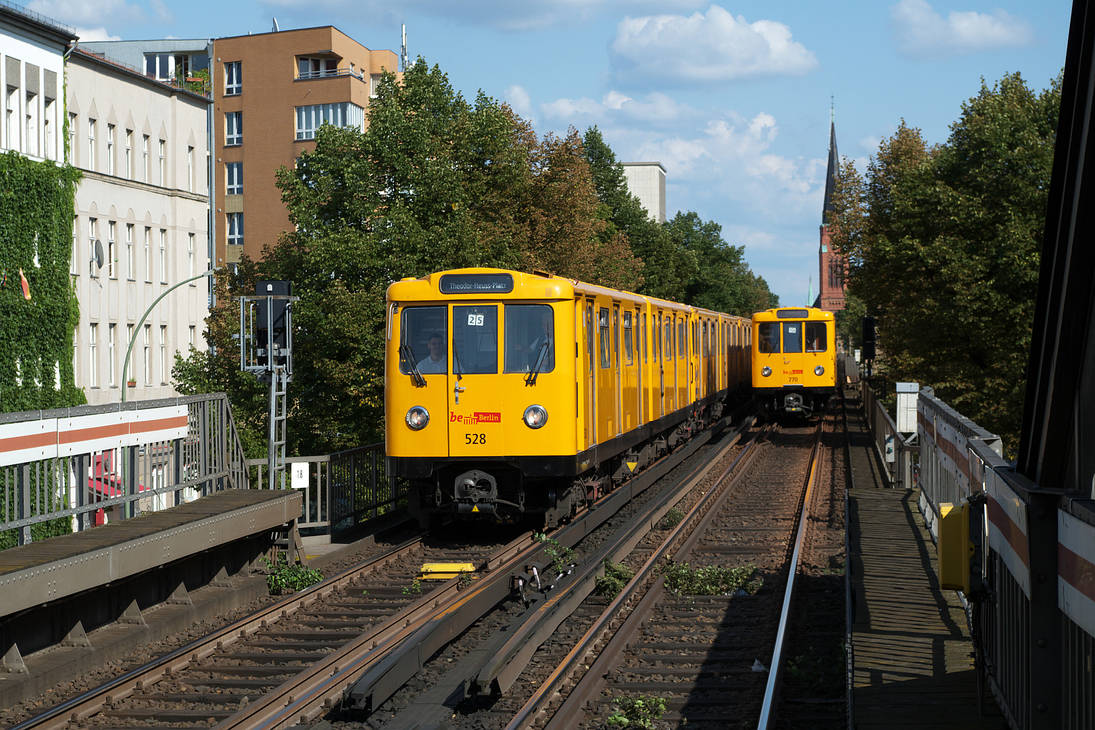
(435, 361)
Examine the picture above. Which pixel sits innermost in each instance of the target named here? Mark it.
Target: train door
(475, 401)
(589, 376)
(606, 409)
(617, 371)
(683, 362)
(643, 359)
(669, 357)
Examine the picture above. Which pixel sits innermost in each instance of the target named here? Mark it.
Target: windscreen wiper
(407, 360)
(530, 379)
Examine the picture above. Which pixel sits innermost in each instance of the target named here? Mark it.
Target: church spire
(831, 172)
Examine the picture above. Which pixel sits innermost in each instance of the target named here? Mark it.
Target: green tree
(944, 246)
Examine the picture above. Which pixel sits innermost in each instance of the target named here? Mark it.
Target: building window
(233, 128)
(159, 66)
(128, 341)
(163, 256)
(233, 79)
(190, 168)
(48, 125)
(129, 154)
(73, 266)
(144, 153)
(93, 354)
(111, 251)
(91, 144)
(31, 110)
(163, 354)
(235, 229)
(92, 234)
(148, 354)
(374, 84)
(190, 254)
(148, 254)
(193, 337)
(76, 356)
(110, 149)
(72, 138)
(130, 254)
(309, 118)
(111, 341)
(11, 105)
(163, 163)
(316, 68)
(233, 173)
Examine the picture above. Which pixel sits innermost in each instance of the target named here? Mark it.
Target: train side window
(668, 352)
(792, 336)
(682, 339)
(768, 337)
(655, 340)
(815, 337)
(602, 326)
(706, 341)
(616, 334)
(628, 338)
(643, 343)
(475, 339)
(589, 335)
(418, 328)
(529, 328)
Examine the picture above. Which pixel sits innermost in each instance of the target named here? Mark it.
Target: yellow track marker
(445, 571)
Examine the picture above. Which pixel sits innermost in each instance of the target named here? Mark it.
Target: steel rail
(698, 515)
(81, 707)
(498, 673)
(775, 666)
(364, 678)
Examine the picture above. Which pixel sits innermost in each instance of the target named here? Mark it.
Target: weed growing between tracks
(710, 580)
(561, 557)
(414, 589)
(613, 581)
(286, 578)
(640, 712)
(670, 519)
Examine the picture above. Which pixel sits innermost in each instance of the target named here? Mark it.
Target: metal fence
(69, 469)
(896, 453)
(340, 490)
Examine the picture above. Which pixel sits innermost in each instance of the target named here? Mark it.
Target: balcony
(329, 74)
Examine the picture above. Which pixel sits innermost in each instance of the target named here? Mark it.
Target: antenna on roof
(275, 29)
(403, 60)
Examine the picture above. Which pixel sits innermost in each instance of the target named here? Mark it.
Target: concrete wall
(646, 181)
(141, 199)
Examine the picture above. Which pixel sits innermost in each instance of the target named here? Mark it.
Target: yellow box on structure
(445, 571)
(954, 547)
(509, 394)
(793, 360)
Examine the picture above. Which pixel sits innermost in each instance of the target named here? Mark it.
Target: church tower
(831, 266)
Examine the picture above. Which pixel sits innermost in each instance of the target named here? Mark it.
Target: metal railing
(340, 490)
(114, 462)
(896, 453)
(329, 74)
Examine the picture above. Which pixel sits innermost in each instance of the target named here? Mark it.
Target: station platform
(61, 567)
(913, 663)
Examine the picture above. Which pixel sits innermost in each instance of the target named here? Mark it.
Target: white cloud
(96, 34)
(526, 15)
(714, 46)
(921, 31)
(617, 107)
(88, 13)
(518, 99)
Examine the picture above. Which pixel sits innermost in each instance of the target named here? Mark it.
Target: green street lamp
(129, 350)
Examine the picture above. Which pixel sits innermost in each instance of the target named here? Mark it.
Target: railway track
(707, 656)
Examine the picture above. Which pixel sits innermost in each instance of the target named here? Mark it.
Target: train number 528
(475, 438)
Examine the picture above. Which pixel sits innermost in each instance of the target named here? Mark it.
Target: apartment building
(271, 92)
(646, 181)
(32, 77)
(140, 225)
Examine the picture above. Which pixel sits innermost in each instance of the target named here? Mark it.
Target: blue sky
(732, 98)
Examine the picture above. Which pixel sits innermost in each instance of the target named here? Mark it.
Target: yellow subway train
(510, 394)
(793, 360)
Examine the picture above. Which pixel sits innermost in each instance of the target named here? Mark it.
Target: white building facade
(646, 181)
(140, 226)
(32, 51)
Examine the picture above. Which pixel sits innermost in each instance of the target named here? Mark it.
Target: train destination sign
(476, 283)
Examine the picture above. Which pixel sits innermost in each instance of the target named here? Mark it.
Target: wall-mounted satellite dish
(97, 254)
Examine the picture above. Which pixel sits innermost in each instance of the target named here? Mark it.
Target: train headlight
(819, 370)
(417, 418)
(535, 416)
(766, 371)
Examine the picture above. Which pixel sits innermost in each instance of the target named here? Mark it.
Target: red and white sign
(1007, 526)
(1076, 570)
(51, 438)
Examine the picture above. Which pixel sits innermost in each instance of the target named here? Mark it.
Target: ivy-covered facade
(36, 319)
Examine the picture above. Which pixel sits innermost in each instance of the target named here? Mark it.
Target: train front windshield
(797, 337)
(529, 339)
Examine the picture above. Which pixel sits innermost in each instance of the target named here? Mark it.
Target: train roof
(778, 313)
